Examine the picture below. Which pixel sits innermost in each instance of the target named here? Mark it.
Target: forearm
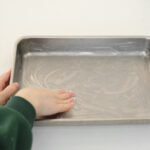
(16, 119)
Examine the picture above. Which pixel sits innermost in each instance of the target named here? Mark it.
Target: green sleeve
(16, 120)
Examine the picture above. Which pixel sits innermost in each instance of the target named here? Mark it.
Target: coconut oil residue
(104, 86)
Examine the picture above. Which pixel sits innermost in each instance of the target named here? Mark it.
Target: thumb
(8, 92)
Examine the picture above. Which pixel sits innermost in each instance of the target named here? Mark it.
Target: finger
(64, 96)
(4, 80)
(67, 101)
(8, 92)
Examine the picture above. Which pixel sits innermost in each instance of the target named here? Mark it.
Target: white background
(76, 17)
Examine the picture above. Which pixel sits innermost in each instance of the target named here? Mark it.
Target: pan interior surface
(109, 83)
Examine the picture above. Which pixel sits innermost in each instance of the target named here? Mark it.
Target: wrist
(22, 106)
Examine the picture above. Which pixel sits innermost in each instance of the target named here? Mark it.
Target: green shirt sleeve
(16, 121)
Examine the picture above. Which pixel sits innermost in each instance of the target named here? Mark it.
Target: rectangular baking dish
(109, 75)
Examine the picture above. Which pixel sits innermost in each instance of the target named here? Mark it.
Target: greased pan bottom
(110, 76)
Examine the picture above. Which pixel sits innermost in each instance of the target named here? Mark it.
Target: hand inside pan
(6, 90)
(47, 102)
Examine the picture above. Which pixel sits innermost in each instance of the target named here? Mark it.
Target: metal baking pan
(109, 75)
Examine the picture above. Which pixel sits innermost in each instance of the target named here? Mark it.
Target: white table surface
(76, 17)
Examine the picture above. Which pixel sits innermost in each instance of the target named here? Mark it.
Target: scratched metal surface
(110, 76)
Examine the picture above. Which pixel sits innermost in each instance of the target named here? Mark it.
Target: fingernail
(72, 99)
(16, 84)
(8, 71)
(71, 92)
